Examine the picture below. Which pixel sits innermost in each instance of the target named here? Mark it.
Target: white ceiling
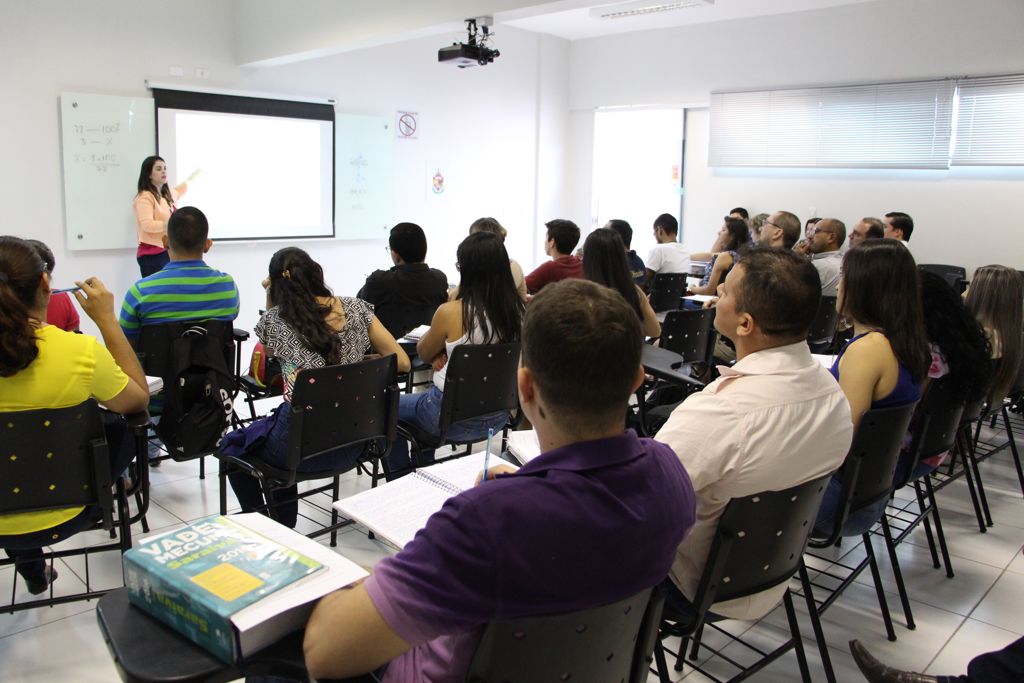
(571, 20)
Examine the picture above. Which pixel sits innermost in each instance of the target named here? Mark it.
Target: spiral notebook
(397, 510)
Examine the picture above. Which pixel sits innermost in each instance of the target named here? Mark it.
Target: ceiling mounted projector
(622, 10)
(474, 51)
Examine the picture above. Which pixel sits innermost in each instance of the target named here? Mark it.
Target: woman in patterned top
(306, 326)
(733, 236)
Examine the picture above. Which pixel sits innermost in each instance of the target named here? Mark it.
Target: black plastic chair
(667, 291)
(54, 459)
(613, 642)
(758, 545)
(934, 429)
(331, 407)
(823, 329)
(144, 650)
(155, 352)
(956, 276)
(479, 380)
(866, 479)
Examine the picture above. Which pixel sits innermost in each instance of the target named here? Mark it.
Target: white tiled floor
(979, 610)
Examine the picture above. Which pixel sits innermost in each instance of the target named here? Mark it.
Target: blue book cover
(195, 578)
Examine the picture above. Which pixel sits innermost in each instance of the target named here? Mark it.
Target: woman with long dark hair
(604, 262)
(306, 326)
(887, 359)
(488, 311)
(153, 206)
(733, 237)
(42, 366)
(996, 299)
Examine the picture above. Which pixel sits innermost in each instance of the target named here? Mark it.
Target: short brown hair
(582, 343)
(780, 290)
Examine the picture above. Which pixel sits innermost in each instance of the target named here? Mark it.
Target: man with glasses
(826, 239)
(782, 229)
(867, 228)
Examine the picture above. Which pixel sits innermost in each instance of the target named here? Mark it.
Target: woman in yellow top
(153, 206)
(42, 366)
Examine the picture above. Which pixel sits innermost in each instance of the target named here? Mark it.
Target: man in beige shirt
(775, 419)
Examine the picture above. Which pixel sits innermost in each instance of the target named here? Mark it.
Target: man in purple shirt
(594, 519)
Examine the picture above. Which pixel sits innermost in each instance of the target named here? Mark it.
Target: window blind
(990, 122)
(891, 125)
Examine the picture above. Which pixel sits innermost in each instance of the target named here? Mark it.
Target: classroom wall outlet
(202, 72)
(177, 71)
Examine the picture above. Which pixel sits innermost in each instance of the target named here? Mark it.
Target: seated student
(995, 298)
(407, 295)
(826, 240)
(668, 255)
(61, 312)
(899, 226)
(185, 289)
(803, 247)
(636, 264)
(604, 262)
(596, 518)
(740, 212)
(492, 226)
(42, 366)
(563, 236)
(867, 228)
(781, 229)
(488, 311)
(733, 236)
(887, 358)
(773, 420)
(306, 326)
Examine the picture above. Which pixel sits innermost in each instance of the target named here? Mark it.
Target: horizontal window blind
(990, 122)
(892, 125)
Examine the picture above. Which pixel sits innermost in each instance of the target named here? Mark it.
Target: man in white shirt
(668, 255)
(826, 239)
(775, 419)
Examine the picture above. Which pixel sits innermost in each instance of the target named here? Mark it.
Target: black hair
(409, 242)
(45, 253)
(565, 234)
(668, 223)
(739, 233)
(780, 290)
(837, 228)
(623, 228)
(604, 262)
(146, 185)
(876, 228)
(488, 224)
(741, 212)
(296, 282)
(959, 336)
(901, 221)
(490, 302)
(996, 299)
(188, 230)
(790, 226)
(21, 268)
(881, 289)
(812, 221)
(582, 346)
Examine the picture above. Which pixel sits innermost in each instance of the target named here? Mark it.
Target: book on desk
(397, 510)
(233, 585)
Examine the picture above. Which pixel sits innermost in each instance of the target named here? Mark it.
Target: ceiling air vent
(634, 9)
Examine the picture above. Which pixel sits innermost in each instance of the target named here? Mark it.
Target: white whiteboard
(364, 178)
(105, 139)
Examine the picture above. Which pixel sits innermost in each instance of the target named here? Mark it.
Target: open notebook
(397, 510)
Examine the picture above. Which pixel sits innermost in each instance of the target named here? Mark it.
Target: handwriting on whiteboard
(93, 145)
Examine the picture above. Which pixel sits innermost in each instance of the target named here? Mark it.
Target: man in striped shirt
(185, 289)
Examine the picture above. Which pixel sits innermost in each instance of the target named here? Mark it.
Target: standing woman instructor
(153, 206)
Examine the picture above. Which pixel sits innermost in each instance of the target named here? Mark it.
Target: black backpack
(198, 386)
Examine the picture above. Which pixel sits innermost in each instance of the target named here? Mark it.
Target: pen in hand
(487, 453)
(62, 291)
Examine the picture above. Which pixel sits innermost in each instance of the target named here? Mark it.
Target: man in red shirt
(563, 236)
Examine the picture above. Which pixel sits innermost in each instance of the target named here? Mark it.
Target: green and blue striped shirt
(182, 291)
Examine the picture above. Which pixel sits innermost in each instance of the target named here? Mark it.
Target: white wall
(480, 127)
(961, 214)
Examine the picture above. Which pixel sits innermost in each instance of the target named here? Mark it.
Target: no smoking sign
(406, 124)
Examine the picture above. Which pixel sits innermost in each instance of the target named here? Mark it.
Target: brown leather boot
(876, 672)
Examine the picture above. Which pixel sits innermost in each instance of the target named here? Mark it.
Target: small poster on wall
(437, 182)
(406, 125)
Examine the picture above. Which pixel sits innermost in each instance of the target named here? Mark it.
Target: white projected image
(261, 177)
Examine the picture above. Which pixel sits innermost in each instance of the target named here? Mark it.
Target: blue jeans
(151, 263)
(275, 452)
(681, 606)
(857, 523)
(423, 410)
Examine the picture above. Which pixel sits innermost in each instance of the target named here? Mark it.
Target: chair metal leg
(660, 663)
(819, 633)
(222, 474)
(883, 605)
(923, 507)
(202, 467)
(897, 574)
(334, 513)
(798, 642)
(938, 526)
(972, 456)
(694, 648)
(969, 476)
(1013, 448)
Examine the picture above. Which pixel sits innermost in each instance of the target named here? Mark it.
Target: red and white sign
(406, 124)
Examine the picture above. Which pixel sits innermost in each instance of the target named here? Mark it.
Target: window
(990, 122)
